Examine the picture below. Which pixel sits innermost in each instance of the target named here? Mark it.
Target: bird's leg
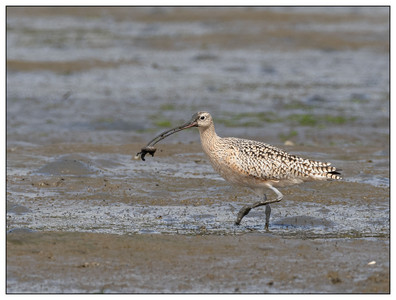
(246, 209)
(267, 216)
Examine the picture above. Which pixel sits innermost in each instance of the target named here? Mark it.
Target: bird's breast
(226, 162)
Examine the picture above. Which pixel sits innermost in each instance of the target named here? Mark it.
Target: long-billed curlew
(252, 164)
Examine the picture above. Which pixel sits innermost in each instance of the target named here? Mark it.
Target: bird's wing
(268, 162)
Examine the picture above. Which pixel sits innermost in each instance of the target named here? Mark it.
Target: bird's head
(201, 119)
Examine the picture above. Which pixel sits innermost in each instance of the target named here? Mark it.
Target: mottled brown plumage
(254, 163)
(266, 162)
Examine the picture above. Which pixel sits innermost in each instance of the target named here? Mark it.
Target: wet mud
(248, 263)
(128, 226)
(88, 88)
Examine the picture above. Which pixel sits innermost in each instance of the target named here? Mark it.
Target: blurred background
(308, 75)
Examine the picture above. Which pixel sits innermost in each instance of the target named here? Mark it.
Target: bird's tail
(325, 172)
(334, 174)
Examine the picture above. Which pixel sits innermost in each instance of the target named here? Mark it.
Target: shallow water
(87, 88)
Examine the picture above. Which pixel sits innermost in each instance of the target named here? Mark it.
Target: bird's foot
(266, 226)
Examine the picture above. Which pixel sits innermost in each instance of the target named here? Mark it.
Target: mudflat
(79, 227)
(88, 87)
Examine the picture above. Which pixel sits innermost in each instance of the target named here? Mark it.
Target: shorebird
(249, 163)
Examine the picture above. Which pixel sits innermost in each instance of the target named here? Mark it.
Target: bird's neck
(209, 138)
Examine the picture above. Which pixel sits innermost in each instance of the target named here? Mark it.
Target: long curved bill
(150, 146)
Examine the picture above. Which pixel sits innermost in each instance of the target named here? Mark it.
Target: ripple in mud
(67, 165)
(16, 208)
(304, 221)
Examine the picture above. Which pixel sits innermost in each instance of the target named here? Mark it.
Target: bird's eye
(202, 117)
